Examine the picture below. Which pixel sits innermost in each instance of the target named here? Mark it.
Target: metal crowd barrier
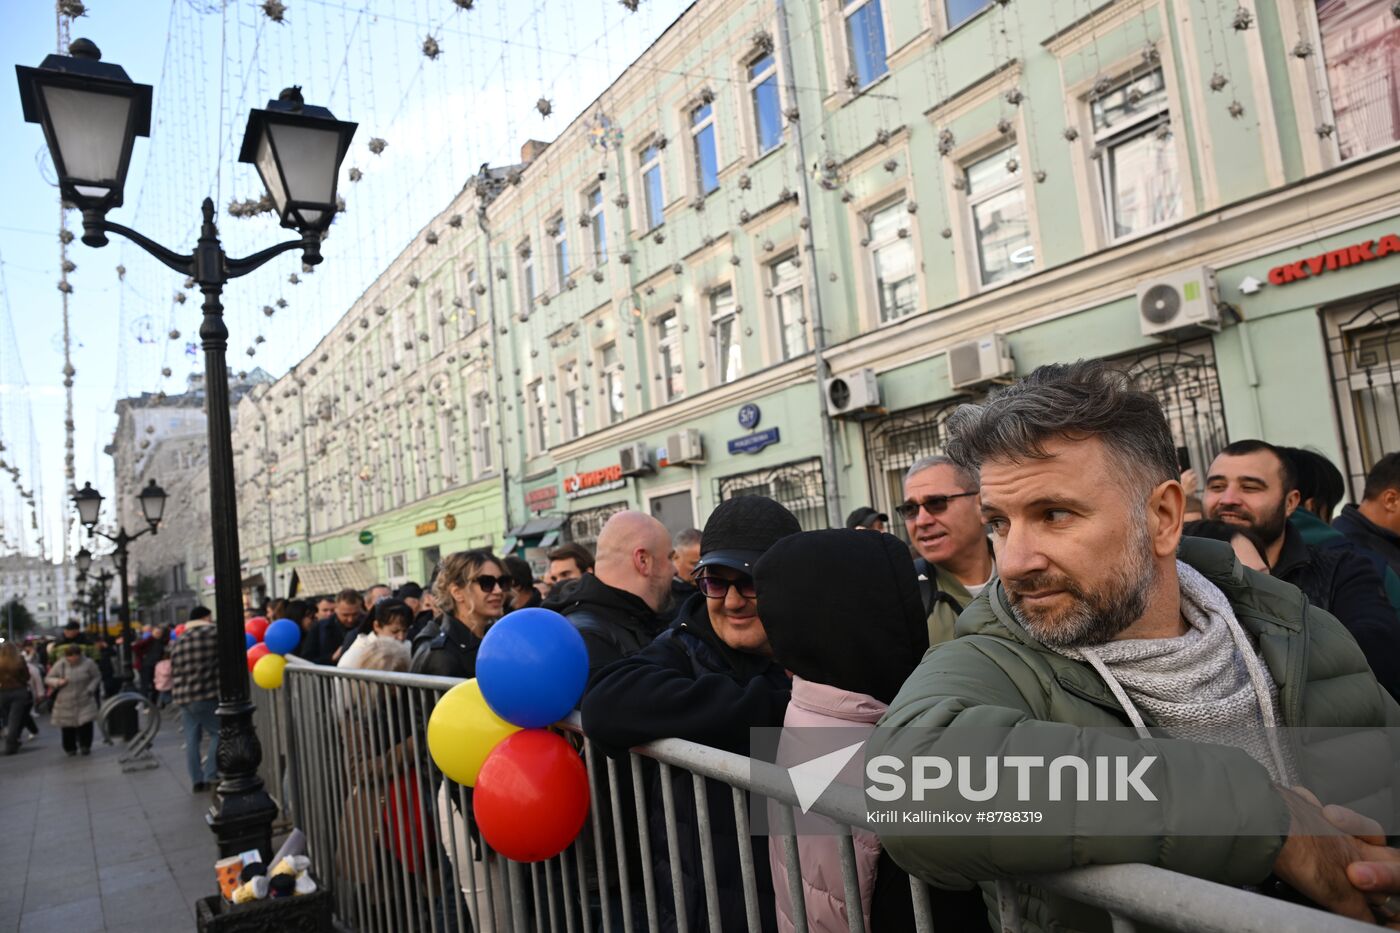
(398, 843)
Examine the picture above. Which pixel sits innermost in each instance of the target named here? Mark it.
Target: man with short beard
(1252, 485)
(1103, 617)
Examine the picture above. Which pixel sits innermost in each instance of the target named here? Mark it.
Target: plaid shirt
(194, 664)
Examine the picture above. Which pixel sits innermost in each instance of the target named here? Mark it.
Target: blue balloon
(248, 636)
(282, 636)
(532, 667)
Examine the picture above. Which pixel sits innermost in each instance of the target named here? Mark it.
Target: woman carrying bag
(75, 681)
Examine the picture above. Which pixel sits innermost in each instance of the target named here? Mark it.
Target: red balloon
(256, 626)
(403, 822)
(180, 629)
(531, 797)
(255, 653)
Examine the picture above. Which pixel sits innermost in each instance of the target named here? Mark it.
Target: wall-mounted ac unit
(852, 393)
(635, 460)
(1179, 302)
(685, 447)
(978, 362)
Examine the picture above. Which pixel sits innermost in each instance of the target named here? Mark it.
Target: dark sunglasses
(718, 587)
(933, 505)
(489, 583)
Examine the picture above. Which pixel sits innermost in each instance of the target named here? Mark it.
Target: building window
(960, 11)
(1137, 155)
(724, 326)
(598, 224)
(865, 39)
(466, 314)
(785, 279)
(669, 359)
(539, 415)
(573, 403)
(559, 233)
(437, 326)
(767, 104)
(614, 390)
(1001, 223)
(1361, 52)
(702, 136)
(527, 278)
(797, 486)
(481, 423)
(652, 196)
(893, 261)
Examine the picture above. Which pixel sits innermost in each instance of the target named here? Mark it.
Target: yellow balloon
(462, 731)
(267, 673)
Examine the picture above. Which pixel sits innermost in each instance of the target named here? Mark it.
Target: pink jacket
(824, 889)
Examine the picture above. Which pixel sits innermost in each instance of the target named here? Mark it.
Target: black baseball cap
(863, 516)
(741, 529)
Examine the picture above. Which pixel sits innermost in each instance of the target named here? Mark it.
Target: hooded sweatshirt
(850, 646)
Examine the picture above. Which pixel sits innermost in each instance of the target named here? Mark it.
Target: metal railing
(402, 854)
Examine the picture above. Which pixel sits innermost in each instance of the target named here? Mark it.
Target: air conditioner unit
(685, 447)
(852, 393)
(978, 362)
(1179, 302)
(635, 460)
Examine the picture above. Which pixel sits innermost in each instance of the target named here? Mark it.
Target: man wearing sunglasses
(708, 679)
(943, 515)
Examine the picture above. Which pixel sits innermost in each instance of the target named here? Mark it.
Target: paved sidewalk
(85, 848)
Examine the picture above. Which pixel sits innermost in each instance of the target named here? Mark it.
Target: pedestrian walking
(194, 686)
(16, 695)
(76, 681)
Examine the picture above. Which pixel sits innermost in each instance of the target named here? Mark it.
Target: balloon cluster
(268, 644)
(531, 788)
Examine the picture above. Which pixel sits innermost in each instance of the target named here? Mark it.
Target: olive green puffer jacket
(994, 674)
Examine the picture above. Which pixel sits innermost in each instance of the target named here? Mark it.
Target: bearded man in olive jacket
(1104, 618)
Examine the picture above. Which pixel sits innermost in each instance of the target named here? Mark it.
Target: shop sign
(1313, 266)
(449, 522)
(753, 443)
(542, 499)
(426, 528)
(366, 537)
(594, 481)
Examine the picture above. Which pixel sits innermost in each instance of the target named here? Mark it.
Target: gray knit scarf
(1207, 685)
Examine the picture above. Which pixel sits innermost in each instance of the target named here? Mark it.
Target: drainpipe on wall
(829, 480)
(494, 389)
(267, 501)
(305, 466)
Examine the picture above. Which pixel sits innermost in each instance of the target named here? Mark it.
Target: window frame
(670, 351)
(467, 319)
(873, 246)
(572, 409)
(947, 19)
(483, 459)
(558, 232)
(848, 9)
(718, 317)
(780, 290)
(529, 285)
(597, 224)
(1106, 140)
(697, 131)
(613, 378)
(1016, 181)
(537, 401)
(752, 83)
(654, 214)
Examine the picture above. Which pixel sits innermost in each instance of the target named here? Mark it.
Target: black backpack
(928, 587)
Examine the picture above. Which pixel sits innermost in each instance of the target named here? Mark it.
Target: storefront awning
(253, 580)
(331, 577)
(537, 526)
(550, 539)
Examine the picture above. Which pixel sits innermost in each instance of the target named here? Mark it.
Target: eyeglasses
(489, 583)
(933, 505)
(718, 587)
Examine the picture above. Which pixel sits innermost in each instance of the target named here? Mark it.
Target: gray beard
(1097, 616)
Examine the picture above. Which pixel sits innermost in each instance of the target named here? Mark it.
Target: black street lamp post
(99, 597)
(91, 113)
(89, 503)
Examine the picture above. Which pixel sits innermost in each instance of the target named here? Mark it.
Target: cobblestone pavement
(85, 848)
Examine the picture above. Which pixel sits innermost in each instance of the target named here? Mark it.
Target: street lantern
(83, 561)
(89, 503)
(91, 114)
(297, 150)
(152, 504)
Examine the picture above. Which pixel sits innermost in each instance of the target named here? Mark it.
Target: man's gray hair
(1074, 401)
(966, 476)
(688, 537)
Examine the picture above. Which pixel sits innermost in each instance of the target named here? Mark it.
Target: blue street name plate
(753, 443)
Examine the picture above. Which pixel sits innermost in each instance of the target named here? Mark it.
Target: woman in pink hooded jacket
(844, 616)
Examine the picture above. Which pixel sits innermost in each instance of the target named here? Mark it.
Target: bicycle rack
(138, 755)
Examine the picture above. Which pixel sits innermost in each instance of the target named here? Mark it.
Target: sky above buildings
(210, 62)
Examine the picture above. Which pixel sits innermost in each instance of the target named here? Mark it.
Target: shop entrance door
(676, 511)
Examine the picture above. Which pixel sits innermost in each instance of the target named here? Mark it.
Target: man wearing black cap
(869, 519)
(708, 679)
